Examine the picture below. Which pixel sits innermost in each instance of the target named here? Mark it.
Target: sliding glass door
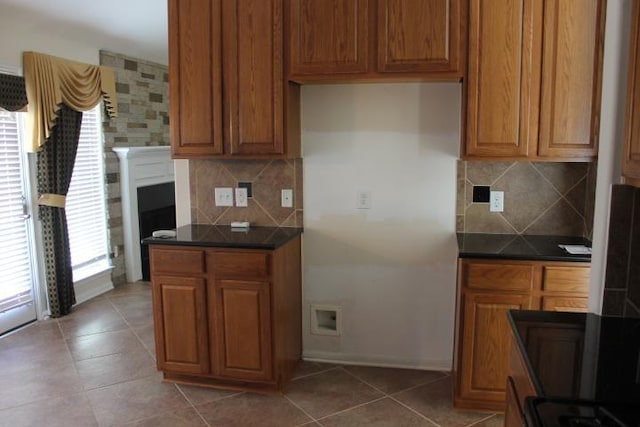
(17, 305)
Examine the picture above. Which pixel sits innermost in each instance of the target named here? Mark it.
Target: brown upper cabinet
(631, 153)
(228, 94)
(343, 40)
(534, 79)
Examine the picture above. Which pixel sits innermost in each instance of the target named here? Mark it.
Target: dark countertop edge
(567, 258)
(523, 353)
(538, 316)
(297, 231)
(174, 242)
(559, 255)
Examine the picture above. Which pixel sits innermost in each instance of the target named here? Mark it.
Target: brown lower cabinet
(487, 290)
(227, 318)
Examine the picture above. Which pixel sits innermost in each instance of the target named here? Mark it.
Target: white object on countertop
(576, 249)
(240, 224)
(164, 234)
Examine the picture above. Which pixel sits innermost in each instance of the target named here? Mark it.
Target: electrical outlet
(223, 196)
(241, 198)
(287, 198)
(363, 200)
(496, 204)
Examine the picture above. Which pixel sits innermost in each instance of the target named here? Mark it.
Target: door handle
(25, 209)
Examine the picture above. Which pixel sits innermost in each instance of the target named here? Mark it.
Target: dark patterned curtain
(55, 166)
(13, 96)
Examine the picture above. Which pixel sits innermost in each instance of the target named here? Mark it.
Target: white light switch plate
(224, 196)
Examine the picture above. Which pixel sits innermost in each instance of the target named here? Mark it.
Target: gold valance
(51, 81)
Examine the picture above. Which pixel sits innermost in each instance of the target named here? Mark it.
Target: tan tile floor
(96, 367)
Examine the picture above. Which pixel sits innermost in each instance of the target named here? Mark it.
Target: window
(15, 289)
(85, 208)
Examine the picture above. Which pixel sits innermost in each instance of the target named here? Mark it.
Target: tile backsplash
(539, 198)
(268, 178)
(622, 283)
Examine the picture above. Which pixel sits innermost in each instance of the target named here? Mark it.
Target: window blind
(85, 207)
(15, 287)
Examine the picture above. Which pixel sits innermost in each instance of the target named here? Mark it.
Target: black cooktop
(542, 412)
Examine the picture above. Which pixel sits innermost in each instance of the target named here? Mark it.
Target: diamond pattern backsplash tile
(268, 178)
(539, 198)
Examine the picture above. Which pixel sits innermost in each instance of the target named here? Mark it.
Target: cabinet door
(503, 78)
(418, 35)
(556, 357)
(180, 316)
(631, 154)
(253, 76)
(484, 361)
(195, 78)
(243, 320)
(329, 37)
(571, 78)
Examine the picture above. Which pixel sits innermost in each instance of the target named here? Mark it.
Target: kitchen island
(569, 358)
(227, 305)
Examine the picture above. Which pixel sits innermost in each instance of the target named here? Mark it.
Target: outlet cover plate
(496, 203)
(287, 198)
(241, 198)
(363, 199)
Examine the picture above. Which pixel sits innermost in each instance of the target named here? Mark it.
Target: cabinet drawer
(498, 276)
(566, 279)
(240, 264)
(575, 304)
(164, 260)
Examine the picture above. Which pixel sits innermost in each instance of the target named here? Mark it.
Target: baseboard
(376, 360)
(93, 286)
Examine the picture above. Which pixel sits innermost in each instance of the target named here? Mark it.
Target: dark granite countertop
(580, 356)
(522, 247)
(223, 236)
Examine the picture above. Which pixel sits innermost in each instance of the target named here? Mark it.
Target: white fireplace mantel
(139, 167)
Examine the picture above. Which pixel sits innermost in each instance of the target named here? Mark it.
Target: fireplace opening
(156, 211)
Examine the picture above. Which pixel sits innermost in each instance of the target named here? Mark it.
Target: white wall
(20, 32)
(392, 268)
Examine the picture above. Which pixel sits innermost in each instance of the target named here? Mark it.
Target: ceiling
(132, 27)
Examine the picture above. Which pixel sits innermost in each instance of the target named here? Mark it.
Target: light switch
(223, 196)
